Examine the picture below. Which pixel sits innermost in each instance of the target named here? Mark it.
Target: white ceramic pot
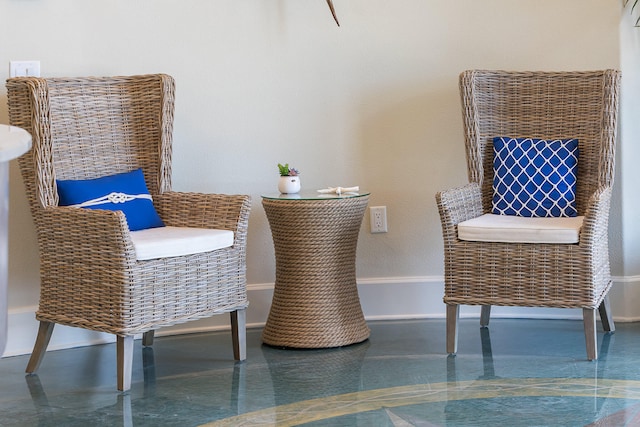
(289, 184)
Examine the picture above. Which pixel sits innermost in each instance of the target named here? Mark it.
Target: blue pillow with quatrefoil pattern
(534, 177)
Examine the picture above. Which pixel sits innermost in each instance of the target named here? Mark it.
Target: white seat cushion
(517, 229)
(163, 242)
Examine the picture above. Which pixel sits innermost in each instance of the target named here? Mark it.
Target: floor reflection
(517, 373)
(130, 409)
(493, 400)
(314, 373)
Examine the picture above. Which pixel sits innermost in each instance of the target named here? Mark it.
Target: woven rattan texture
(315, 302)
(90, 127)
(581, 105)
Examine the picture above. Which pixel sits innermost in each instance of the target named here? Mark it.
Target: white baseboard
(381, 298)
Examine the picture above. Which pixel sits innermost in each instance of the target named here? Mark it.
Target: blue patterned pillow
(534, 177)
(126, 192)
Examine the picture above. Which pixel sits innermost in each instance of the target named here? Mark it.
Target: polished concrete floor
(516, 373)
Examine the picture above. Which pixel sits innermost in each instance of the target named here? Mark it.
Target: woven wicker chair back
(541, 105)
(91, 127)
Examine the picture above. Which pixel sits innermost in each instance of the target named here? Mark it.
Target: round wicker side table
(315, 300)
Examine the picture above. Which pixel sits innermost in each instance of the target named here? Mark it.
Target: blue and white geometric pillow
(534, 177)
(126, 192)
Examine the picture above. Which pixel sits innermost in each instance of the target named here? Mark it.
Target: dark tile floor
(516, 373)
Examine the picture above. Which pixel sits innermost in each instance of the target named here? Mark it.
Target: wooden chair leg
(605, 315)
(589, 318)
(453, 314)
(147, 338)
(239, 333)
(485, 314)
(40, 348)
(124, 349)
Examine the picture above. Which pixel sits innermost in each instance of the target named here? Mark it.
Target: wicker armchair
(84, 128)
(542, 105)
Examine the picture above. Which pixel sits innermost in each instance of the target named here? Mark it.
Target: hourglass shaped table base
(315, 301)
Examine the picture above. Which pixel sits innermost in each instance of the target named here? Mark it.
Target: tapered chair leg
(40, 348)
(485, 314)
(453, 313)
(239, 333)
(605, 315)
(589, 318)
(124, 348)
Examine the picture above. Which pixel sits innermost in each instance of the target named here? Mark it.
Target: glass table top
(314, 195)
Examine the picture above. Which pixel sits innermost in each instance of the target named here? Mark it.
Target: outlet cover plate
(24, 68)
(378, 219)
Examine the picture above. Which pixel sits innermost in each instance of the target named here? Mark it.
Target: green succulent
(285, 170)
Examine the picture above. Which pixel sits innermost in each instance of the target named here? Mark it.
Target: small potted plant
(289, 179)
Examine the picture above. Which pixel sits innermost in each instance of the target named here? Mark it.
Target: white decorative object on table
(289, 180)
(339, 190)
(289, 184)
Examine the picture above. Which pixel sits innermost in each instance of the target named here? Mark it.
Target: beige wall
(373, 103)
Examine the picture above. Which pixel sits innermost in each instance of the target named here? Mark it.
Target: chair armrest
(85, 236)
(596, 218)
(460, 204)
(221, 211)
(457, 205)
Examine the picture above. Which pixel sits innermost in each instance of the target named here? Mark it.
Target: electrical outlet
(24, 68)
(378, 217)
